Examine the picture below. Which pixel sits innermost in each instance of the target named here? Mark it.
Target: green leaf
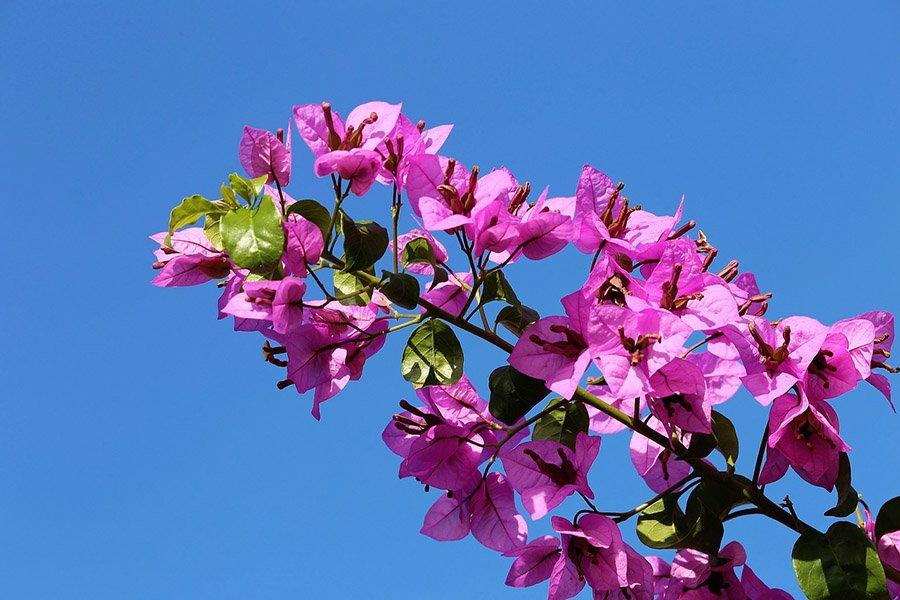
(253, 237)
(662, 524)
(402, 289)
(516, 319)
(707, 505)
(418, 251)
(513, 394)
(888, 518)
(848, 498)
(841, 564)
(213, 231)
(432, 355)
(497, 288)
(189, 212)
(346, 283)
(228, 197)
(563, 424)
(701, 446)
(726, 438)
(364, 243)
(248, 189)
(312, 211)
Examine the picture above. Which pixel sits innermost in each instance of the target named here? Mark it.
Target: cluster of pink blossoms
(653, 340)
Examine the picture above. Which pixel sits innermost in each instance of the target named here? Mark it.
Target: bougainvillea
(653, 340)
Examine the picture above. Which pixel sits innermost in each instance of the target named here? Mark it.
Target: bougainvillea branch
(652, 341)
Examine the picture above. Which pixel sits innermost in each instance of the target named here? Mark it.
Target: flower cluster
(654, 340)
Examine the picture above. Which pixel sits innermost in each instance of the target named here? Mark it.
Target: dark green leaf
(418, 251)
(440, 276)
(888, 519)
(253, 237)
(841, 564)
(312, 211)
(701, 446)
(706, 531)
(707, 505)
(402, 289)
(346, 283)
(364, 243)
(662, 524)
(562, 424)
(497, 288)
(848, 497)
(432, 355)
(513, 394)
(189, 212)
(516, 318)
(726, 438)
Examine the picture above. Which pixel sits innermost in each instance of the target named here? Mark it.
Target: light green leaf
(253, 237)
(661, 525)
(347, 282)
(248, 189)
(212, 230)
(189, 212)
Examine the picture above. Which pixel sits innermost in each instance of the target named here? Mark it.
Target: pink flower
(603, 216)
(534, 562)
(679, 397)
(190, 259)
(496, 522)
(357, 166)
(805, 435)
(593, 552)
(264, 153)
(776, 357)
(446, 195)
(408, 139)
(279, 302)
(303, 245)
(545, 472)
(842, 361)
(330, 348)
(658, 466)
(445, 456)
(630, 346)
(554, 351)
(485, 507)
(884, 338)
(348, 149)
(679, 284)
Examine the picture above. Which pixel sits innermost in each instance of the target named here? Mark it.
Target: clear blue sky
(144, 450)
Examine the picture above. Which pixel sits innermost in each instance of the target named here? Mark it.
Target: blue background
(144, 450)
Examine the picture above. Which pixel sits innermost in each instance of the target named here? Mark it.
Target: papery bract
(545, 472)
(262, 153)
